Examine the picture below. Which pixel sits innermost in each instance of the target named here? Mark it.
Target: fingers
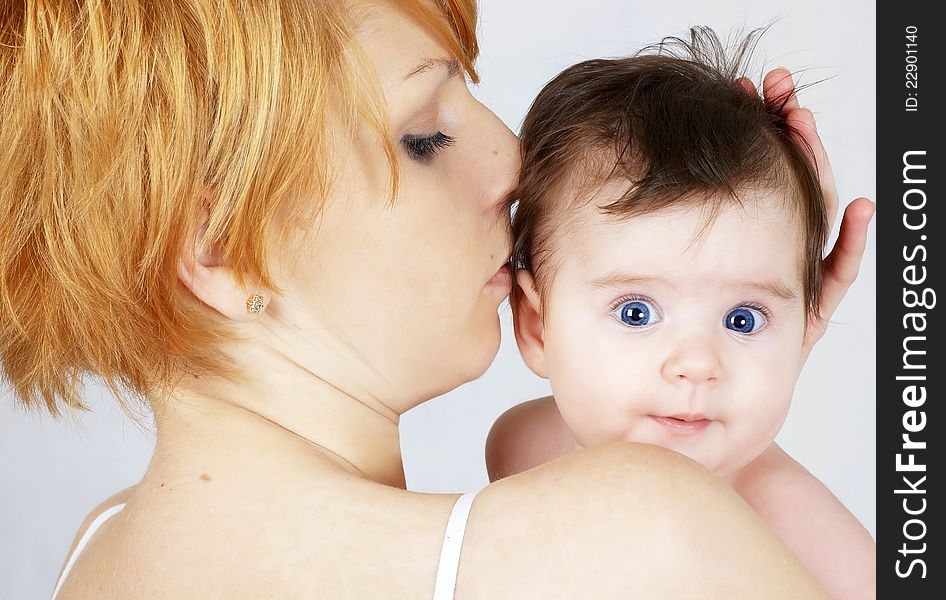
(802, 122)
(842, 265)
(747, 84)
(777, 85)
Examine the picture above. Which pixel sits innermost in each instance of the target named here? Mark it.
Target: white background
(51, 473)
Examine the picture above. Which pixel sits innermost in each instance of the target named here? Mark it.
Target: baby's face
(656, 334)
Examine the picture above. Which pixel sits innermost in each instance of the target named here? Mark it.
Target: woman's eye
(637, 313)
(422, 148)
(744, 320)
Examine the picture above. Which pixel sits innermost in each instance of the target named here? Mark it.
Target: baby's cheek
(593, 392)
(766, 396)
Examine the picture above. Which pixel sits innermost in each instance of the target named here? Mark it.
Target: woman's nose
(692, 359)
(502, 166)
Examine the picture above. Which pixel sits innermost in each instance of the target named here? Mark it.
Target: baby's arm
(526, 436)
(812, 522)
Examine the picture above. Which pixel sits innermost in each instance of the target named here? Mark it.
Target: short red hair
(123, 121)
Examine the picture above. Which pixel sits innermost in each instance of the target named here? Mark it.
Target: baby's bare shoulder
(812, 522)
(525, 436)
(775, 481)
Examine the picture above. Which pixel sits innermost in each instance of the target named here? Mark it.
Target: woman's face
(410, 291)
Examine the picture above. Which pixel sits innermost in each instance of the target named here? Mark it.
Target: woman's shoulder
(318, 541)
(115, 499)
(621, 520)
(579, 482)
(614, 521)
(590, 478)
(581, 513)
(299, 541)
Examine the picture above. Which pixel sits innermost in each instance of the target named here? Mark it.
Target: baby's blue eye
(637, 313)
(744, 320)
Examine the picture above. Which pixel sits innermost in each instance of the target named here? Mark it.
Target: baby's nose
(693, 360)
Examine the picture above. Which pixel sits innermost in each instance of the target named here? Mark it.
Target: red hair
(123, 121)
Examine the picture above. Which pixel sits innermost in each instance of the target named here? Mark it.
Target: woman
(216, 225)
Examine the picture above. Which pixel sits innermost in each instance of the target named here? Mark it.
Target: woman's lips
(502, 278)
(683, 425)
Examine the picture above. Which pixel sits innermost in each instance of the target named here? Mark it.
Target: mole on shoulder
(204, 477)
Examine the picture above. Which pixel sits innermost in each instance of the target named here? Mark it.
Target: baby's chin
(701, 448)
(725, 465)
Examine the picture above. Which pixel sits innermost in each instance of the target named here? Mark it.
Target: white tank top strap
(84, 540)
(452, 544)
(446, 570)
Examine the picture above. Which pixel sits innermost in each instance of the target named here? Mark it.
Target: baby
(669, 237)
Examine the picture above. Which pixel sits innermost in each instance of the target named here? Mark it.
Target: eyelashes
(423, 148)
(745, 319)
(636, 311)
(640, 312)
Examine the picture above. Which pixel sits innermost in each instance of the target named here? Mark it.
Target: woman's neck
(288, 415)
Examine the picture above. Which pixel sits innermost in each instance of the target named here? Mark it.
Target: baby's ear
(527, 323)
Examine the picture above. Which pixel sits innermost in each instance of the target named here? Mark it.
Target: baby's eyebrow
(617, 280)
(773, 288)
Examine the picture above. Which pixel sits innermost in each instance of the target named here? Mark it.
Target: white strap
(104, 516)
(452, 544)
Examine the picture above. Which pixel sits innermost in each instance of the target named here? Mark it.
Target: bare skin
(316, 538)
(626, 379)
(795, 505)
(292, 486)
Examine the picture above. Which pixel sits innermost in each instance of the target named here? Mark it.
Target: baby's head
(669, 238)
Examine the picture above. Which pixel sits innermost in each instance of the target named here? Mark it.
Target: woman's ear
(527, 323)
(214, 283)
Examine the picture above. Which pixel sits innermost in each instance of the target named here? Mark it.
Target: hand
(844, 261)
